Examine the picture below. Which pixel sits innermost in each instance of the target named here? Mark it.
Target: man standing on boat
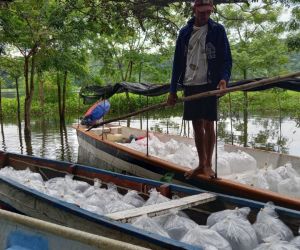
(202, 62)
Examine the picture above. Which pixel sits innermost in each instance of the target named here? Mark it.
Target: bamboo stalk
(204, 94)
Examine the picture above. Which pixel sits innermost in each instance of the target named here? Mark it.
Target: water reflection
(27, 137)
(2, 134)
(48, 138)
(65, 147)
(51, 139)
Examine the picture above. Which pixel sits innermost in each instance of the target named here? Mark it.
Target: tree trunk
(27, 137)
(65, 149)
(18, 102)
(58, 94)
(130, 70)
(19, 115)
(29, 91)
(130, 107)
(41, 89)
(63, 108)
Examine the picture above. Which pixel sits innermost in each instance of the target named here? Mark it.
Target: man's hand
(172, 99)
(222, 85)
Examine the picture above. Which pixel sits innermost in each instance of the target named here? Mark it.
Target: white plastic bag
(149, 225)
(223, 166)
(133, 198)
(155, 198)
(93, 209)
(175, 225)
(116, 206)
(290, 187)
(218, 216)
(111, 193)
(259, 180)
(267, 224)
(240, 162)
(92, 189)
(273, 178)
(274, 243)
(287, 171)
(203, 237)
(296, 240)
(75, 185)
(281, 245)
(237, 231)
(95, 200)
(171, 146)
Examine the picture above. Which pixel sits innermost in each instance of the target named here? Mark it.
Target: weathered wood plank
(162, 208)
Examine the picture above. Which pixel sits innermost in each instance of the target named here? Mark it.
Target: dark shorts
(203, 108)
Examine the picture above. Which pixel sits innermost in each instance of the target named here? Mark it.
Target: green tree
(252, 29)
(23, 25)
(293, 40)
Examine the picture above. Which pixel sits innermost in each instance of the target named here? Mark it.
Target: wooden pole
(204, 94)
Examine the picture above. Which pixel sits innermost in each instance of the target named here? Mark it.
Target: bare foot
(193, 172)
(209, 172)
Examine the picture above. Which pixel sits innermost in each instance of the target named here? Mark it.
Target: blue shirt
(217, 50)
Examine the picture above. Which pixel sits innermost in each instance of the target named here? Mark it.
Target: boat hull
(35, 204)
(99, 152)
(22, 231)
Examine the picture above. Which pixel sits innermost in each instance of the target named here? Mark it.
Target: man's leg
(210, 138)
(199, 135)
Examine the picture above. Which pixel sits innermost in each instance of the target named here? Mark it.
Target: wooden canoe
(22, 231)
(100, 150)
(41, 206)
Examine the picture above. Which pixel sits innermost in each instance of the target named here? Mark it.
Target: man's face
(202, 12)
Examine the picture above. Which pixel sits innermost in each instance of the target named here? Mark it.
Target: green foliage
(168, 177)
(293, 42)
(101, 42)
(251, 30)
(11, 70)
(263, 102)
(120, 104)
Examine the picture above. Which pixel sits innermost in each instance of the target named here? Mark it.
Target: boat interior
(199, 213)
(122, 134)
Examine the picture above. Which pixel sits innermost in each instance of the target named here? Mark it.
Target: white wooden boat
(98, 148)
(23, 232)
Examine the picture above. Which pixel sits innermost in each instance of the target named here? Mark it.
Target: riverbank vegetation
(274, 101)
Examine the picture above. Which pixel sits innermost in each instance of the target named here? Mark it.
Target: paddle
(201, 95)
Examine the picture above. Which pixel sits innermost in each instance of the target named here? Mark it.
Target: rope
(230, 111)
(78, 115)
(147, 115)
(216, 151)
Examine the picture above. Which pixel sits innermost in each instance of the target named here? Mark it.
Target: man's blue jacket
(217, 50)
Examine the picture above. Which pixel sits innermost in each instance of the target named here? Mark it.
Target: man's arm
(176, 72)
(226, 57)
(177, 69)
